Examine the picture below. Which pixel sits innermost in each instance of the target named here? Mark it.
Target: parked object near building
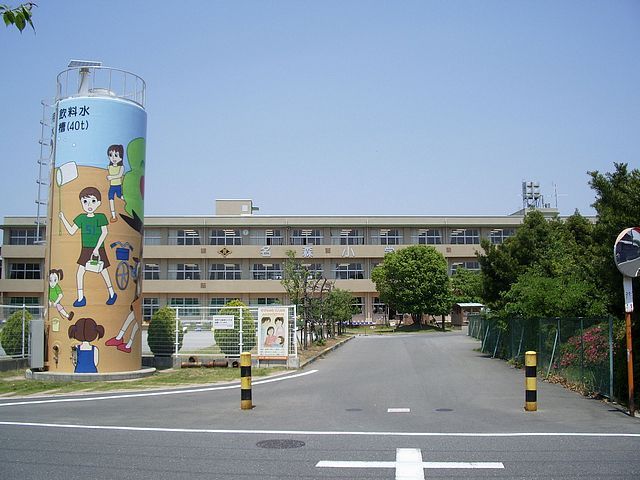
(461, 311)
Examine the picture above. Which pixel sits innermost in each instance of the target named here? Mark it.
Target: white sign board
(223, 322)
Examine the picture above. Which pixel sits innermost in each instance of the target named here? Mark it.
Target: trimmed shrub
(161, 335)
(11, 334)
(228, 341)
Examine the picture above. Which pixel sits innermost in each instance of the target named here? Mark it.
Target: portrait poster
(273, 328)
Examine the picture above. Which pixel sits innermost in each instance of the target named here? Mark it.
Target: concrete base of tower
(89, 377)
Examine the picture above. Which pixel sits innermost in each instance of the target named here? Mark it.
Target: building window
(25, 236)
(315, 270)
(185, 271)
(266, 301)
(358, 305)
(152, 236)
(266, 271)
(150, 306)
(225, 271)
(306, 236)
(497, 236)
(219, 302)
(187, 307)
(378, 306)
(469, 265)
(387, 236)
(268, 237)
(349, 271)
(151, 271)
(24, 271)
(465, 236)
(184, 237)
(429, 236)
(33, 302)
(347, 236)
(225, 237)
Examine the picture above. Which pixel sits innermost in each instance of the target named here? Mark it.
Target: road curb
(325, 351)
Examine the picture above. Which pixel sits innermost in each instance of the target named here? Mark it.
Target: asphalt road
(412, 406)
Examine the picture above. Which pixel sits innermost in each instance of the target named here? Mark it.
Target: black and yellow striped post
(245, 381)
(530, 382)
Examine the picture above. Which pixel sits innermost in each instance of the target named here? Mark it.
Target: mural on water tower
(95, 235)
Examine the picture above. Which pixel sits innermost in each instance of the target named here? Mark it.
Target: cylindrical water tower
(95, 221)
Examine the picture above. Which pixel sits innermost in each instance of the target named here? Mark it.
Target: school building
(198, 261)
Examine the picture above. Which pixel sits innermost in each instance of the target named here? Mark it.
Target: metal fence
(200, 331)
(579, 351)
(14, 329)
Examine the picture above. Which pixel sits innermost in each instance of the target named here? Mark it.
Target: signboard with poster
(273, 325)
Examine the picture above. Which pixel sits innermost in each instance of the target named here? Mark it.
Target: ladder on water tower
(45, 165)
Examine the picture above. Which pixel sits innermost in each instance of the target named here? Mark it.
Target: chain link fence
(226, 332)
(578, 351)
(14, 329)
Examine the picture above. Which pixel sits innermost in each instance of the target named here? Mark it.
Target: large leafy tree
(618, 206)
(414, 280)
(546, 269)
(466, 286)
(503, 264)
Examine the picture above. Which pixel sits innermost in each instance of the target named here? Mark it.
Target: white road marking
(153, 394)
(398, 410)
(324, 433)
(409, 464)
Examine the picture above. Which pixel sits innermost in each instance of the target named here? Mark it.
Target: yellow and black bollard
(530, 383)
(245, 381)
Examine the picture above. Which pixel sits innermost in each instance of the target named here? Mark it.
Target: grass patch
(13, 382)
(370, 330)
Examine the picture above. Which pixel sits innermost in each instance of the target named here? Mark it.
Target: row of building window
(227, 271)
(191, 307)
(259, 271)
(344, 236)
(310, 236)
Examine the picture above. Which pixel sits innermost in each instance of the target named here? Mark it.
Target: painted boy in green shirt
(93, 231)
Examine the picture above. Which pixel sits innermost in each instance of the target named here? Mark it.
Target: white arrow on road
(409, 464)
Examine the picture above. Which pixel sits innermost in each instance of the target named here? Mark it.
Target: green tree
(538, 295)
(306, 290)
(546, 269)
(20, 16)
(414, 280)
(337, 307)
(618, 207)
(11, 335)
(229, 340)
(295, 278)
(161, 335)
(501, 265)
(616, 203)
(466, 286)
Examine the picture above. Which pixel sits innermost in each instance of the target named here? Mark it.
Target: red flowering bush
(592, 348)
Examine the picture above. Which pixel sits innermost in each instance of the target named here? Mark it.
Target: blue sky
(417, 108)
